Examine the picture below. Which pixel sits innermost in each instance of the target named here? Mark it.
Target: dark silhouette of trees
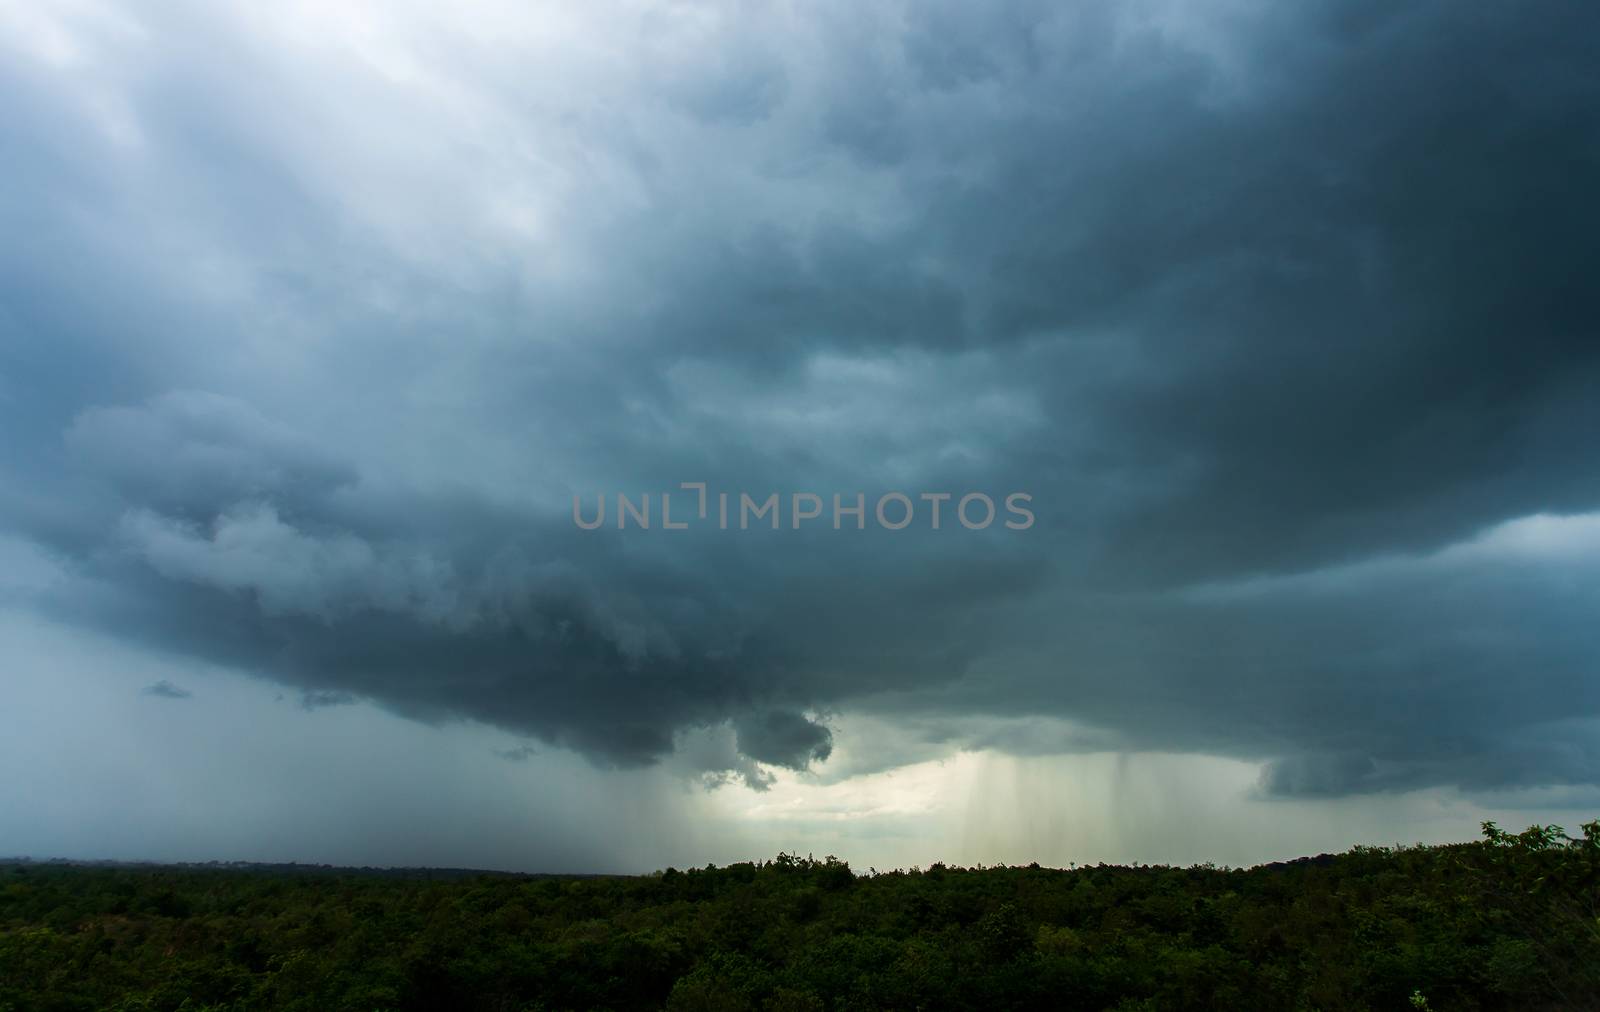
(1509, 922)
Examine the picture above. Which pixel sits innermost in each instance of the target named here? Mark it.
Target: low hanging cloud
(1280, 315)
(780, 738)
(250, 550)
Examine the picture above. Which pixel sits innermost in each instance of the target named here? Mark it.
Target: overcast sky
(316, 318)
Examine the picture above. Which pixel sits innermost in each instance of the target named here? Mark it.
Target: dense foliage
(1511, 922)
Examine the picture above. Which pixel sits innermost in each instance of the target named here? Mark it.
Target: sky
(1249, 351)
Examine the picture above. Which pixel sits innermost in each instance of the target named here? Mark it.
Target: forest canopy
(1508, 922)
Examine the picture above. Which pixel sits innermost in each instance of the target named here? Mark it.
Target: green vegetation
(1510, 922)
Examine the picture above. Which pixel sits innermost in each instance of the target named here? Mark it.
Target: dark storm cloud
(166, 690)
(1244, 298)
(780, 738)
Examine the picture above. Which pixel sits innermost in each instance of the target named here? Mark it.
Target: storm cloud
(311, 329)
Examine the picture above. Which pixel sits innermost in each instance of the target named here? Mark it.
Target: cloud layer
(313, 327)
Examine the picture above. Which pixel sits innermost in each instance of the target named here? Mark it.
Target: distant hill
(290, 868)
